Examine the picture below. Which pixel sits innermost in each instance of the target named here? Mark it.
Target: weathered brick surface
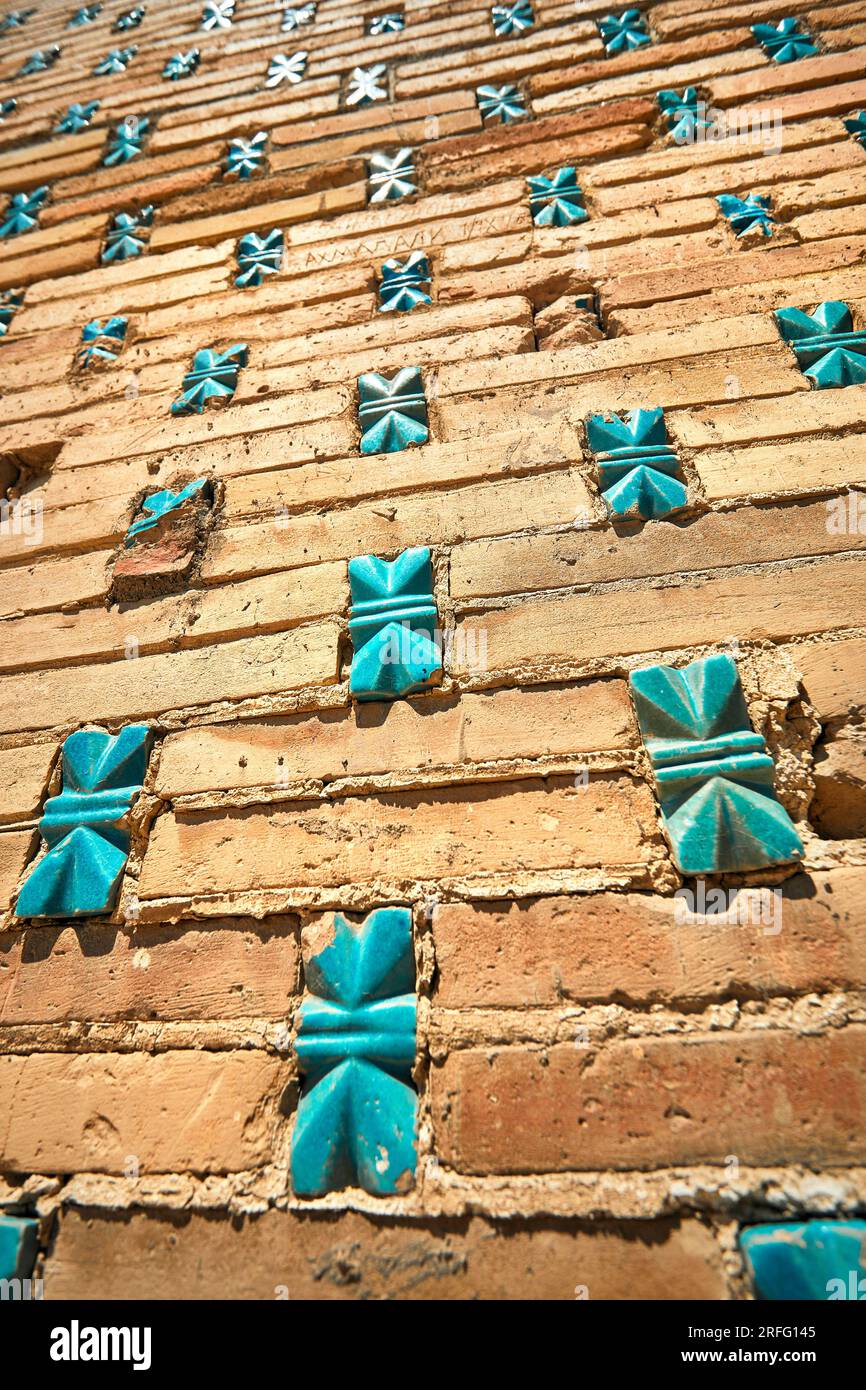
(632, 947)
(768, 1097)
(208, 1112)
(94, 973)
(280, 1256)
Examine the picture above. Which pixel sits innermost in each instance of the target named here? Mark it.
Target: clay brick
(717, 540)
(55, 974)
(136, 689)
(196, 231)
(52, 583)
(456, 832)
(24, 776)
(773, 1097)
(209, 1112)
(758, 604)
(434, 731)
(352, 1256)
(198, 616)
(551, 498)
(630, 948)
(797, 466)
(16, 849)
(832, 676)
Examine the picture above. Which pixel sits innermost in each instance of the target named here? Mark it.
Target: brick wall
(606, 1093)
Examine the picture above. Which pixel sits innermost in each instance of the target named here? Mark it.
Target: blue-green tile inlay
(14, 20)
(118, 60)
(393, 626)
(19, 1237)
(749, 214)
(161, 504)
(512, 19)
(127, 236)
(355, 1045)
(786, 41)
(101, 342)
(296, 15)
(385, 24)
(258, 256)
(556, 202)
(217, 14)
(638, 470)
(816, 1261)
(10, 301)
(182, 65)
(392, 411)
(366, 85)
(77, 117)
(130, 19)
(213, 375)
(856, 126)
(502, 104)
(40, 60)
(620, 33)
(22, 212)
(714, 776)
(126, 140)
(391, 176)
(246, 157)
(404, 284)
(8, 106)
(85, 15)
(828, 349)
(286, 67)
(86, 827)
(684, 113)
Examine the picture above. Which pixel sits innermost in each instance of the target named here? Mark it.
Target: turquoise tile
(392, 411)
(714, 776)
(786, 41)
(259, 256)
(22, 212)
(85, 15)
(621, 33)
(130, 19)
(10, 302)
(78, 117)
(127, 236)
(393, 624)
(366, 85)
(213, 375)
(856, 126)
(8, 107)
(385, 24)
(245, 158)
(684, 113)
(404, 284)
(296, 15)
(556, 202)
(355, 1044)
(118, 60)
(85, 828)
(101, 342)
(15, 19)
(126, 141)
(638, 471)
(500, 104)
(182, 65)
(40, 60)
(159, 505)
(748, 214)
(509, 20)
(391, 176)
(818, 1261)
(217, 14)
(19, 1240)
(828, 350)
